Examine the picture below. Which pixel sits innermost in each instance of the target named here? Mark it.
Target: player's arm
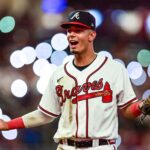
(33, 119)
(133, 110)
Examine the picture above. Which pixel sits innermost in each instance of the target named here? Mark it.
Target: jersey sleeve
(126, 94)
(49, 103)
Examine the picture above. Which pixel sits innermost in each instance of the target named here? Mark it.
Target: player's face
(79, 39)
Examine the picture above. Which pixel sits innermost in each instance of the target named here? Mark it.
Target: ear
(92, 35)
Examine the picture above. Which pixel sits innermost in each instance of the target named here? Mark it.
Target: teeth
(73, 41)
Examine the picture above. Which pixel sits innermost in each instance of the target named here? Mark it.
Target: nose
(72, 33)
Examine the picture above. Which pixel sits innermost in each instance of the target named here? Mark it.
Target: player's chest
(81, 88)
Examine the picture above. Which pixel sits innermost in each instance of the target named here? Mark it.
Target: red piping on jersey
(47, 112)
(87, 104)
(76, 84)
(129, 102)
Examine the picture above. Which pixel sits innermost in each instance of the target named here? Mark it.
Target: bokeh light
(59, 42)
(11, 134)
(146, 94)
(7, 24)
(43, 50)
(58, 57)
(141, 80)
(143, 57)
(19, 88)
(30, 54)
(1, 113)
(17, 59)
(47, 71)
(39, 65)
(148, 70)
(135, 70)
(53, 6)
(118, 141)
(130, 22)
(51, 21)
(116, 13)
(147, 24)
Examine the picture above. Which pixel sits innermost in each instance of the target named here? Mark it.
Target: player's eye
(75, 30)
(79, 31)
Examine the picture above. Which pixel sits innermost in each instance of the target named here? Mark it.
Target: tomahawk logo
(76, 15)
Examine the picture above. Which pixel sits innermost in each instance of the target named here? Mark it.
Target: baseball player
(86, 93)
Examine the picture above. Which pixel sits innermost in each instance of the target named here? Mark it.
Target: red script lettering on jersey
(74, 93)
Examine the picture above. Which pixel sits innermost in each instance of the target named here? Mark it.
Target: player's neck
(83, 60)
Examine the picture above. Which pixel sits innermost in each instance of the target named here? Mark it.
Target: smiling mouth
(73, 43)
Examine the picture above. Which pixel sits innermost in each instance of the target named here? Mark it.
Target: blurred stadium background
(32, 46)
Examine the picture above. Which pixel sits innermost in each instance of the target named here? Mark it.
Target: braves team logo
(95, 86)
(76, 15)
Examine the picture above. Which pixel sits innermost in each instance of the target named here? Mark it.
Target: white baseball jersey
(87, 100)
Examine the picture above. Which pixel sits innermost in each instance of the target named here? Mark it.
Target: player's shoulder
(112, 62)
(115, 63)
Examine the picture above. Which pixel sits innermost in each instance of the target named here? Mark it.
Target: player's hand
(3, 125)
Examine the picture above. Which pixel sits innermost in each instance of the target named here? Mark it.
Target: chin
(74, 51)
